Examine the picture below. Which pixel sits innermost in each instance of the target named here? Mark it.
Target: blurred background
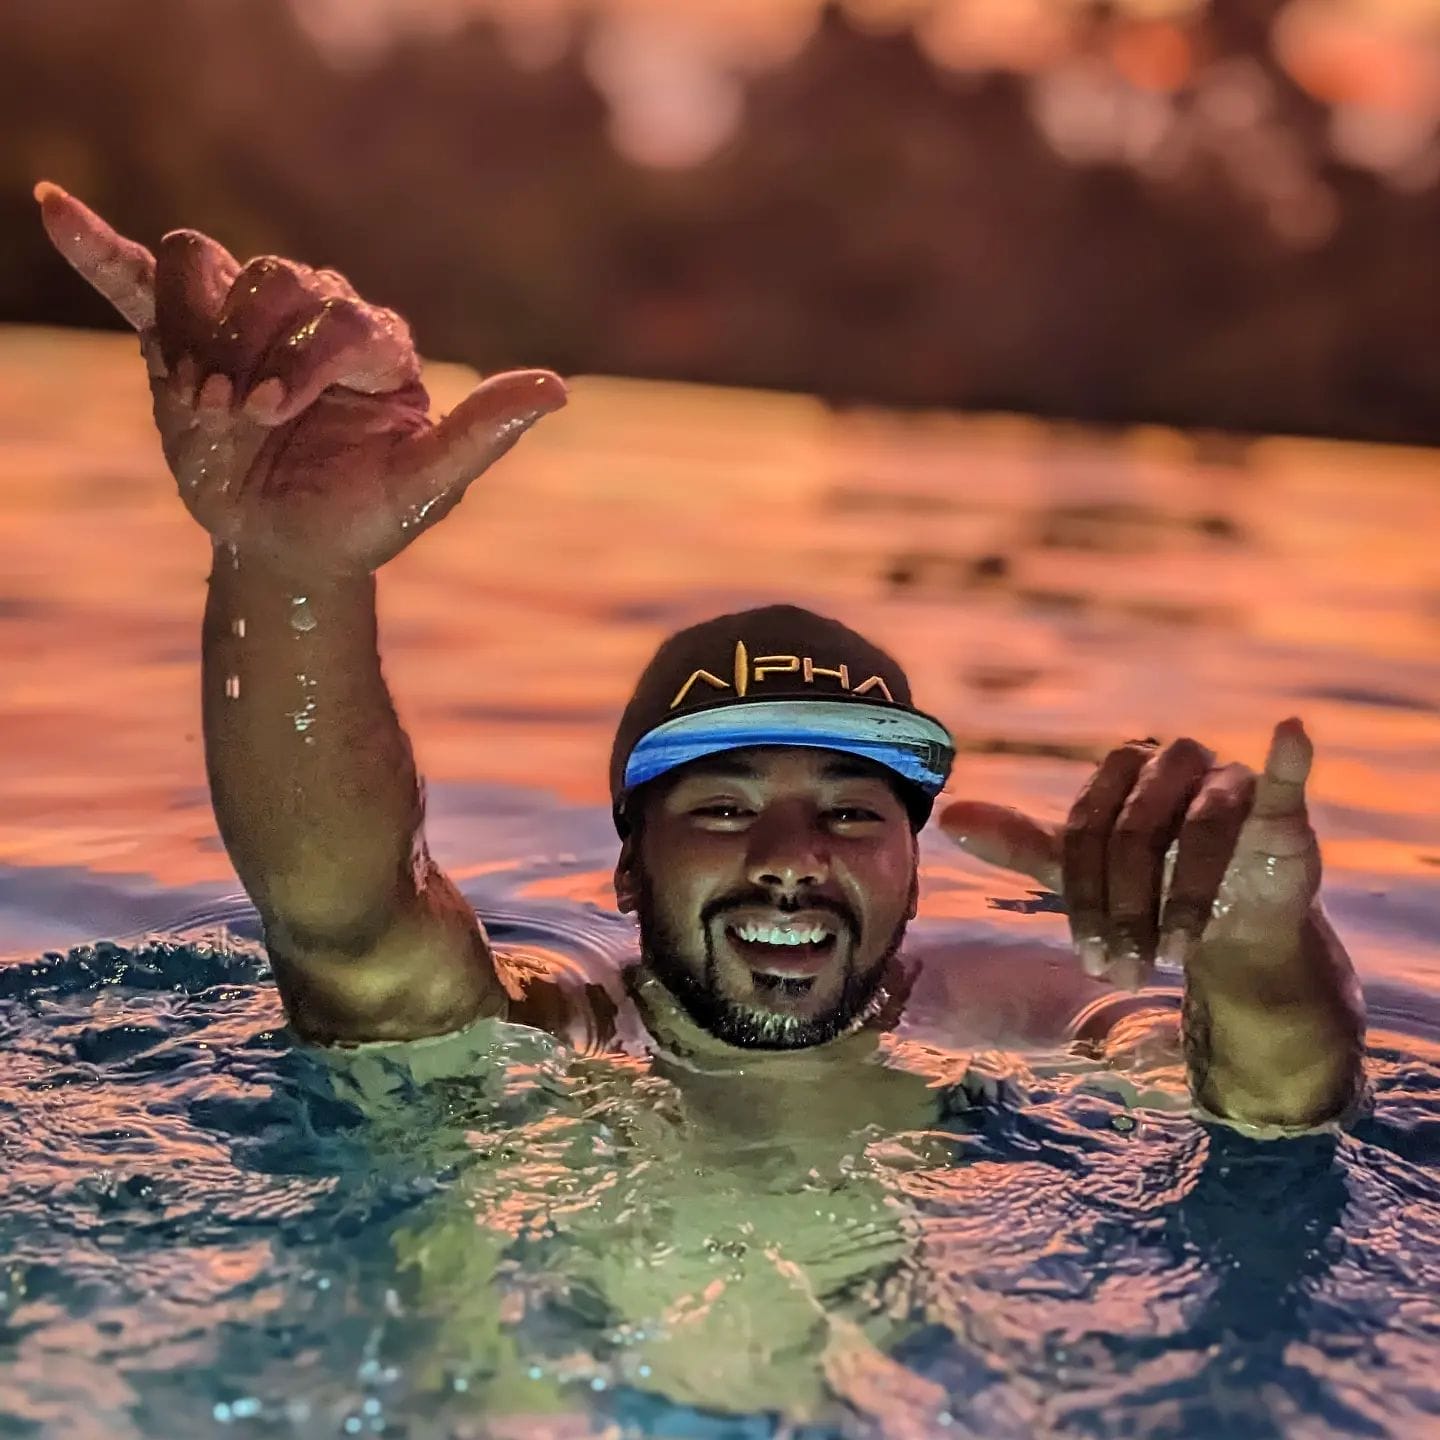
(1216, 214)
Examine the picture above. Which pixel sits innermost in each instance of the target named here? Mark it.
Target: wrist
(260, 570)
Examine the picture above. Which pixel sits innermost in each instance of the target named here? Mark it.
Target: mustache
(756, 900)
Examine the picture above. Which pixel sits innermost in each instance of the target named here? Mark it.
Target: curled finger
(1084, 846)
(332, 285)
(193, 274)
(342, 342)
(1212, 825)
(269, 298)
(1147, 825)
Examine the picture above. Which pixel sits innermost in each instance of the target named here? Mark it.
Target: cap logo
(746, 672)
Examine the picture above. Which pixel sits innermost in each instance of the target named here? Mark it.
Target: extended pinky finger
(122, 271)
(345, 343)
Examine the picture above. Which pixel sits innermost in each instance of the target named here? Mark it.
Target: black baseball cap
(777, 675)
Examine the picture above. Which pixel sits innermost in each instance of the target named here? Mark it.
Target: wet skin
(772, 837)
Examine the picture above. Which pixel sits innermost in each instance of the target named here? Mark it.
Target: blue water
(204, 1230)
(211, 1237)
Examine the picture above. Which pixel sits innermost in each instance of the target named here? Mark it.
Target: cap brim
(916, 747)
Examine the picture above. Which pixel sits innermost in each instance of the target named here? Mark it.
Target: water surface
(203, 1233)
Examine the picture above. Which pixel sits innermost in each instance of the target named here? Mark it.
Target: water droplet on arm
(302, 618)
(303, 717)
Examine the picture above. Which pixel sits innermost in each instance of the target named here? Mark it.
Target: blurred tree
(1152, 225)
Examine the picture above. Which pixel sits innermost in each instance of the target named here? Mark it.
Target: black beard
(732, 1023)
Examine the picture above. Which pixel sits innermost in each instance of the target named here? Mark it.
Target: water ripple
(552, 1235)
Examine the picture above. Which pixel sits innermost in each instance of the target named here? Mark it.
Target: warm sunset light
(721, 719)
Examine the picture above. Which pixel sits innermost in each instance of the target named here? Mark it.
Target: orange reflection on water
(1051, 591)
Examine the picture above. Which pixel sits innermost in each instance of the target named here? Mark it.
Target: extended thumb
(477, 432)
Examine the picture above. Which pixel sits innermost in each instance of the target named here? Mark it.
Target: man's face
(773, 885)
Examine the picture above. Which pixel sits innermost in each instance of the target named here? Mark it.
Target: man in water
(769, 778)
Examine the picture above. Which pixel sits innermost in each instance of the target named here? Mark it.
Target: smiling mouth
(784, 967)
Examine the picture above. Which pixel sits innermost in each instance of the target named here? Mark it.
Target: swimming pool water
(202, 1232)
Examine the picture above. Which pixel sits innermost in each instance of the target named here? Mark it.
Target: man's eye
(721, 811)
(853, 815)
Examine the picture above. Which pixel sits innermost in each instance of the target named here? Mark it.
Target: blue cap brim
(914, 746)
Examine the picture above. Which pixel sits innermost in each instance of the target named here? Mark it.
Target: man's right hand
(290, 411)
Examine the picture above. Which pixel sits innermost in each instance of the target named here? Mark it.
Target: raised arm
(293, 419)
(1274, 1022)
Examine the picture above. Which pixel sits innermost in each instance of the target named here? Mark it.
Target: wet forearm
(312, 778)
(1275, 1037)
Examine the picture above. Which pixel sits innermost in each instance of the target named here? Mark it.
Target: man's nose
(789, 849)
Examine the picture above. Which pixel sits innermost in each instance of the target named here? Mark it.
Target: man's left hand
(1245, 869)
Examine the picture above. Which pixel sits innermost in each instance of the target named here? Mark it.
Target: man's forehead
(759, 762)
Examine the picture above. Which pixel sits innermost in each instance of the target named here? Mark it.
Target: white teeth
(775, 935)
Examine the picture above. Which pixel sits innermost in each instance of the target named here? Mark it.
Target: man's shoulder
(592, 1014)
(548, 1004)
